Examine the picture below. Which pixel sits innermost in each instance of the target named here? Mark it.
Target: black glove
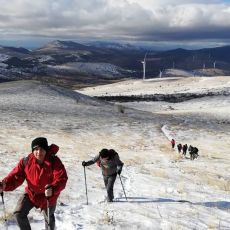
(84, 163)
(119, 169)
(1, 186)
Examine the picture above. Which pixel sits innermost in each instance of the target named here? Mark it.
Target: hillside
(170, 85)
(164, 189)
(74, 65)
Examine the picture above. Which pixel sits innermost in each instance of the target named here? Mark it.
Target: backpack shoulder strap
(52, 159)
(25, 160)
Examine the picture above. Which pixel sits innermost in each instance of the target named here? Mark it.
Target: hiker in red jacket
(46, 177)
(173, 142)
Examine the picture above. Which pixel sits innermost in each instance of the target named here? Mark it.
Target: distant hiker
(173, 142)
(111, 165)
(184, 149)
(193, 151)
(40, 168)
(179, 147)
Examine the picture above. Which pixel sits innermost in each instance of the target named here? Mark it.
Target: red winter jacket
(51, 171)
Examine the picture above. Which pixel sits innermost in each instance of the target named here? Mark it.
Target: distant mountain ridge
(72, 63)
(63, 45)
(13, 50)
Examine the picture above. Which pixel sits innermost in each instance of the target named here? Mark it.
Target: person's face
(39, 154)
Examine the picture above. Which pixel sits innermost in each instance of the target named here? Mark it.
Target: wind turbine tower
(160, 75)
(203, 66)
(144, 65)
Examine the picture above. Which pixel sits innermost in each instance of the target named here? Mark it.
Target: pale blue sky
(26, 22)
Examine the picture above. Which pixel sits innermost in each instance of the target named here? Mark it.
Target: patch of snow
(4, 57)
(44, 58)
(178, 72)
(3, 65)
(105, 69)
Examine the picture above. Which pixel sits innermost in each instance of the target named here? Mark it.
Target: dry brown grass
(159, 173)
(8, 216)
(171, 153)
(221, 184)
(107, 218)
(211, 179)
(176, 157)
(165, 148)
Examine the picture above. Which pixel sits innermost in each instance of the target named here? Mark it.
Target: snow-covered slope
(101, 69)
(170, 85)
(177, 72)
(164, 190)
(3, 57)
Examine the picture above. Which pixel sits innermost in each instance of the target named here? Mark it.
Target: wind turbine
(214, 64)
(160, 74)
(203, 66)
(144, 64)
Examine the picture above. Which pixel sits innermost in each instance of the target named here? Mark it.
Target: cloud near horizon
(146, 20)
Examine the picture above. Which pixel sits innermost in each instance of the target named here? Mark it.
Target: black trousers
(22, 210)
(109, 183)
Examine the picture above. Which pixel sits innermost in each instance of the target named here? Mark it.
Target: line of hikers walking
(193, 151)
(46, 177)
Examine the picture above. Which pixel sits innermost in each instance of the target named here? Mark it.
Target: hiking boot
(109, 200)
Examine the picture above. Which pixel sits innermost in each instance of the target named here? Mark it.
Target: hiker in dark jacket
(46, 177)
(111, 165)
(179, 147)
(184, 149)
(193, 151)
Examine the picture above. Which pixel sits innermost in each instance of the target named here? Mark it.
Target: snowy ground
(160, 86)
(164, 190)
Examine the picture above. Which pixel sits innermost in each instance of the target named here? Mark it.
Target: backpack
(112, 153)
(51, 159)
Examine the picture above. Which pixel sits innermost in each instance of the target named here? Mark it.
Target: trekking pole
(86, 187)
(4, 210)
(47, 195)
(48, 213)
(123, 187)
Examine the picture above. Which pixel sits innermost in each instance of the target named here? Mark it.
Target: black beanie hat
(41, 142)
(104, 153)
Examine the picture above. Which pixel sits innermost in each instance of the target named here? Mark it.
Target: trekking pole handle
(2, 198)
(48, 191)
